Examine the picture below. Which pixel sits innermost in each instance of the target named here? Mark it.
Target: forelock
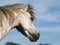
(30, 10)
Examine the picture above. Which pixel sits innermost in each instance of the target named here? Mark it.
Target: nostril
(37, 36)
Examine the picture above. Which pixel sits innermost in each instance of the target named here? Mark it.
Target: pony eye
(31, 18)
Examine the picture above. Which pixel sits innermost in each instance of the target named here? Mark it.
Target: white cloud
(41, 6)
(49, 17)
(50, 29)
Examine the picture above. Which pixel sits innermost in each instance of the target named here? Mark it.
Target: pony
(19, 16)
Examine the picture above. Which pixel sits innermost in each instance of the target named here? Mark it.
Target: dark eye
(32, 18)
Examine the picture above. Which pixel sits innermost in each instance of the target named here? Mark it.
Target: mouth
(33, 37)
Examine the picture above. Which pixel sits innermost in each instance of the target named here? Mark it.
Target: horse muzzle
(33, 36)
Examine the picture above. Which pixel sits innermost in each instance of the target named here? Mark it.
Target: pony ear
(25, 8)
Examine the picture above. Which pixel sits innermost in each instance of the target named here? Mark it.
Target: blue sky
(47, 13)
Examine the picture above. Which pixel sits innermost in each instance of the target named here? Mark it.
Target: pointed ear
(25, 8)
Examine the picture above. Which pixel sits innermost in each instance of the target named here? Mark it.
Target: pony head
(26, 26)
